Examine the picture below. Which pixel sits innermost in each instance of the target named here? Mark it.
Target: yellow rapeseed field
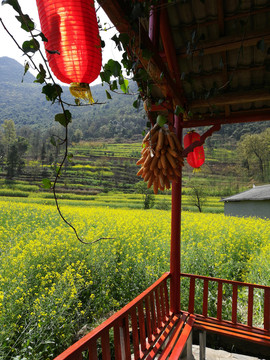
(52, 285)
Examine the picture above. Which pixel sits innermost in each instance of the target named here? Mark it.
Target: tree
(15, 162)
(254, 152)
(198, 196)
(9, 134)
(77, 136)
(148, 196)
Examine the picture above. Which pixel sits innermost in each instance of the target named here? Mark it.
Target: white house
(253, 202)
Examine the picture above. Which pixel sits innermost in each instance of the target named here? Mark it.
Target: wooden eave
(212, 58)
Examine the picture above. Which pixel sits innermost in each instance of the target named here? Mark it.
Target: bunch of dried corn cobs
(161, 158)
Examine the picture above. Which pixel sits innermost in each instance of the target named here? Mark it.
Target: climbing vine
(112, 75)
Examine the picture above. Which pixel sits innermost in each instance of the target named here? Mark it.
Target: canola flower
(51, 285)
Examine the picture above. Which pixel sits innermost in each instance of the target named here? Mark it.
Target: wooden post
(176, 235)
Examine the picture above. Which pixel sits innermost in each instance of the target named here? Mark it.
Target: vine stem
(58, 172)
(65, 140)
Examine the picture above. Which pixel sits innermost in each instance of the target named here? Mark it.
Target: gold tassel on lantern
(81, 91)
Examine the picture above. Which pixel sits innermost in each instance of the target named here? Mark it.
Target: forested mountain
(23, 103)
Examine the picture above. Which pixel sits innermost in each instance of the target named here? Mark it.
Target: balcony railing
(138, 330)
(130, 332)
(207, 297)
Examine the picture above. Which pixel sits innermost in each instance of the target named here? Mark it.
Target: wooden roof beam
(226, 43)
(169, 48)
(154, 66)
(234, 118)
(220, 73)
(231, 99)
(221, 26)
(226, 19)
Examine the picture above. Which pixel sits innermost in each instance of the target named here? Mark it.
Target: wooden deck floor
(212, 354)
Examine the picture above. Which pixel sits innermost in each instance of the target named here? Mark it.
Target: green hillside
(105, 141)
(26, 106)
(116, 118)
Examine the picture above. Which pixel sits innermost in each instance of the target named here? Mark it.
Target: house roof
(256, 193)
(211, 57)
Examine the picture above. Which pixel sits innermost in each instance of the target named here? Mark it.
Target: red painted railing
(240, 295)
(132, 330)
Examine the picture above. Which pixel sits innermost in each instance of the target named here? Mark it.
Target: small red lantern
(73, 47)
(196, 157)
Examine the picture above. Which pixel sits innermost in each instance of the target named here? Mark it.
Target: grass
(111, 199)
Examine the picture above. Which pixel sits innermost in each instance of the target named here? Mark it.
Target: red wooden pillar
(175, 258)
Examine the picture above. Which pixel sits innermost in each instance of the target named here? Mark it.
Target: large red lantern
(196, 157)
(73, 48)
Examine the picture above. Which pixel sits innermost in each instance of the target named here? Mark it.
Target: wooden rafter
(242, 15)
(221, 27)
(226, 43)
(231, 98)
(155, 65)
(215, 74)
(237, 117)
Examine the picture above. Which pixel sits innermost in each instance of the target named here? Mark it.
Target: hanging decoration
(196, 157)
(73, 48)
(161, 158)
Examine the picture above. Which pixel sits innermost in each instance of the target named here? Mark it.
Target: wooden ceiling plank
(221, 26)
(234, 118)
(226, 19)
(214, 74)
(227, 43)
(231, 99)
(169, 49)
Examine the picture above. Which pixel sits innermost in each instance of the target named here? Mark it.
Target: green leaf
(52, 91)
(43, 37)
(147, 54)
(113, 67)
(114, 86)
(30, 46)
(63, 118)
(53, 52)
(221, 64)
(52, 141)
(179, 110)
(161, 75)
(124, 38)
(46, 184)
(136, 104)
(27, 24)
(105, 76)
(161, 120)
(13, 3)
(108, 95)
(40, 78)
(124, 86)
(137, 11)
(267, 65)
(261, 45)
(26, 68)
(69, 156)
